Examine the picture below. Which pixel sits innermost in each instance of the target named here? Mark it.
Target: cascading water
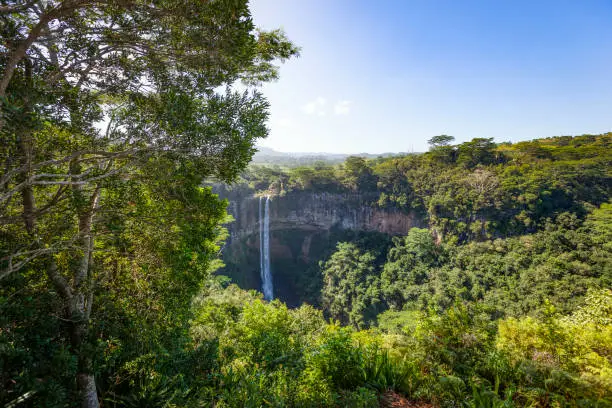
(261, 257)
(264, 249)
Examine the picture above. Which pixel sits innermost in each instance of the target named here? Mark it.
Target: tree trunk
(86, 383)
(87, 389)
(81, 308)
(78, 298)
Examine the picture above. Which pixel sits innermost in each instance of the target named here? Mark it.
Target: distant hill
(266, 155)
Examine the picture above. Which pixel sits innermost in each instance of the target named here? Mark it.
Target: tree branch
(59, 282)
(16, 7)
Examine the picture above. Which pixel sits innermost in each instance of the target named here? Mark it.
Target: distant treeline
(265, 156)
(473, 190)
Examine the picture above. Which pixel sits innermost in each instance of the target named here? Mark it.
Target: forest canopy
(474, 190)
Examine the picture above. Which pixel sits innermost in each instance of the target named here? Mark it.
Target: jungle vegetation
(518, 242)
(112, 122)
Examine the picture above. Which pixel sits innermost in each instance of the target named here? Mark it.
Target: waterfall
(261, 257)
(264, 249)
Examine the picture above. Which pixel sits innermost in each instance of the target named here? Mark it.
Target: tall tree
(440, 148)
(440, 141)
(99, 94)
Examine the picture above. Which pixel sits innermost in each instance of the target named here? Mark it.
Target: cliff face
(304, 229)
(318, 212)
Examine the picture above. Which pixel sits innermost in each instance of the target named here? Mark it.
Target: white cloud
(320, 107)
(316, 107)
(342, 107)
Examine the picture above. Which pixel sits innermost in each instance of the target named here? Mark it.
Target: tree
(358, 175)
(145, 72)
(318, 177)
(408, 266)
(440, 141)
(350, 287)
(441, 150)
(478, 151)
(392, 184)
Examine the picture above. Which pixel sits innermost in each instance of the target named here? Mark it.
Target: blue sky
(385, 76)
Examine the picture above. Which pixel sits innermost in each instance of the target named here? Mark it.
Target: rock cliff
(319, 211)
(304, 229)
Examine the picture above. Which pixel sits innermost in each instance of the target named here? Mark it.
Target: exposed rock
(304, 228)
(319, 211)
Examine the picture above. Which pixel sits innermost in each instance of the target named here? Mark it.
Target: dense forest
(116, 119)
(472, 191)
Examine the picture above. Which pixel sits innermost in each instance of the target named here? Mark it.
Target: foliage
(358, 176)
(472, 191)
(111, 116)
(470, 360)
(509, 277)
(408, 265)
(269, 354)
(350, 289)
(574, 356)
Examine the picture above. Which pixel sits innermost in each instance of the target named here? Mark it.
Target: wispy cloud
(342, 107)
(320, 107)
(316, 107)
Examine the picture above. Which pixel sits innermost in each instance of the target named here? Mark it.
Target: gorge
(290, 233)
(473, 192)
